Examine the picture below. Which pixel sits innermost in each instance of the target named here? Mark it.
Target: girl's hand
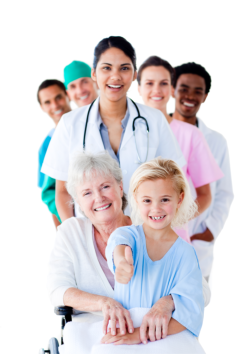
(124, 269)
(155, 323)
(115, 312)
(129, 338)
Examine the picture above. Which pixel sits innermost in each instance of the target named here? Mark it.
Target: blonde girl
(150, 258)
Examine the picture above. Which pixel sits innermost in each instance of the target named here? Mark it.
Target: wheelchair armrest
(63, 310)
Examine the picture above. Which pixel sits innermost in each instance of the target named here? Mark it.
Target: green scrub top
(49, 195)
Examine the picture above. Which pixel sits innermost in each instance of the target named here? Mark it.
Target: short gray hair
(86, 165)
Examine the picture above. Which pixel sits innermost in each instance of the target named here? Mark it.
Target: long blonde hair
(160, 168)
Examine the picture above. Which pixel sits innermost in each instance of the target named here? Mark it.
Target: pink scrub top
(201, 167)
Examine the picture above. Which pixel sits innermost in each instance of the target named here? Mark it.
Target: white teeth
(156, 98)
(84, 97)
(115, 86)
(103, 208)
(59, 111)
(188, 104)
(157, 217)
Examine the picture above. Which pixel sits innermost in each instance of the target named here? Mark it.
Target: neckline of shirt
(124, 121)
(158, 262)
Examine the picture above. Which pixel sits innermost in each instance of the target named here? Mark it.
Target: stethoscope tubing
(133, 128)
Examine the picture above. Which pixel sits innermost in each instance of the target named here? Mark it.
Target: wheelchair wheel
(53, 346)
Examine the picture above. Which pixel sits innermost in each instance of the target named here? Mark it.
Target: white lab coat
(215, 216)
(68, 139)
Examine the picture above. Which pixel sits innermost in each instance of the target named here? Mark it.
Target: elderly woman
(79, 275)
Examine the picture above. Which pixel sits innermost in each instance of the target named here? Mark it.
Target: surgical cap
(76, 70)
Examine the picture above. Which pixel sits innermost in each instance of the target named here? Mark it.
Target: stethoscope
(133, 127)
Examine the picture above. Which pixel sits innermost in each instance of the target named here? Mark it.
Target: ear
(135, 76)
(121, 188)
(95, 84)
(67, 94)
(172, 91)
(181, 197)
(93, 75)
(42, 107)
(134, 196)
(205, 98)
(139, 89)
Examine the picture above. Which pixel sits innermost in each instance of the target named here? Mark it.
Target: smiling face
(114, 74)
(189, 94)
(100, 199)
(54, 101)
(158, 202)
(155, 87)
(82, 91)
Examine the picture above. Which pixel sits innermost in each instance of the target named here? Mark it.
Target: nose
(156, 88)
(116, 76)
(55, 105)
(80, 90)
(98, 197)
(189, 95)
(156, 206)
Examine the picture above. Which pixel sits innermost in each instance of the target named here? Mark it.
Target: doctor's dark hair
(155, 61)
(47, 83)
(193, 68)
(114, 42)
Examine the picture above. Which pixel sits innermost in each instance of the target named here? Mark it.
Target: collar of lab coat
(203, 128)
(93, 134)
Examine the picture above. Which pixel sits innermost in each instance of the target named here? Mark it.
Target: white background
(38, 38)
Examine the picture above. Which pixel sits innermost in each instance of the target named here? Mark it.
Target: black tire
(53, 346)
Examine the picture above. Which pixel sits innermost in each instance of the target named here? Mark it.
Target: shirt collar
(124, 122)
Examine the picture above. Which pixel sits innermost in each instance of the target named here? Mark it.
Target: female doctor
(107, 124)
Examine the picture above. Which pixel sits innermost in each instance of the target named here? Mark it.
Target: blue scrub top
(177, 273)
(41, 155)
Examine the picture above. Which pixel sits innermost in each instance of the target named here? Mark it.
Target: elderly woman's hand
(155, 323)
(115, 312)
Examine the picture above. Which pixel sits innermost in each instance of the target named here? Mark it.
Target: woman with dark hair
(155, 77)
(109, 124)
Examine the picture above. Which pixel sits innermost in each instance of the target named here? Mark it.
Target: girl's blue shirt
(177, 273)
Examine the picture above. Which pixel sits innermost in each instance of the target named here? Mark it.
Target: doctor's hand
(155, 323)
(124, 264)
(206, 236)
(114, 312)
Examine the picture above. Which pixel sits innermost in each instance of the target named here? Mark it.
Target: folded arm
(63, 200)
(112, 310)
(204, 198)
(156, 324)
(222, 200)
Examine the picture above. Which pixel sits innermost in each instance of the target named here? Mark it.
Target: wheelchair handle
(63, 310)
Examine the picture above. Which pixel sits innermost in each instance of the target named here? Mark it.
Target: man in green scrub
(54, 101)
(78, 82)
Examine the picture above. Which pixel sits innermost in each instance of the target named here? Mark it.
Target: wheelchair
(66, 312)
